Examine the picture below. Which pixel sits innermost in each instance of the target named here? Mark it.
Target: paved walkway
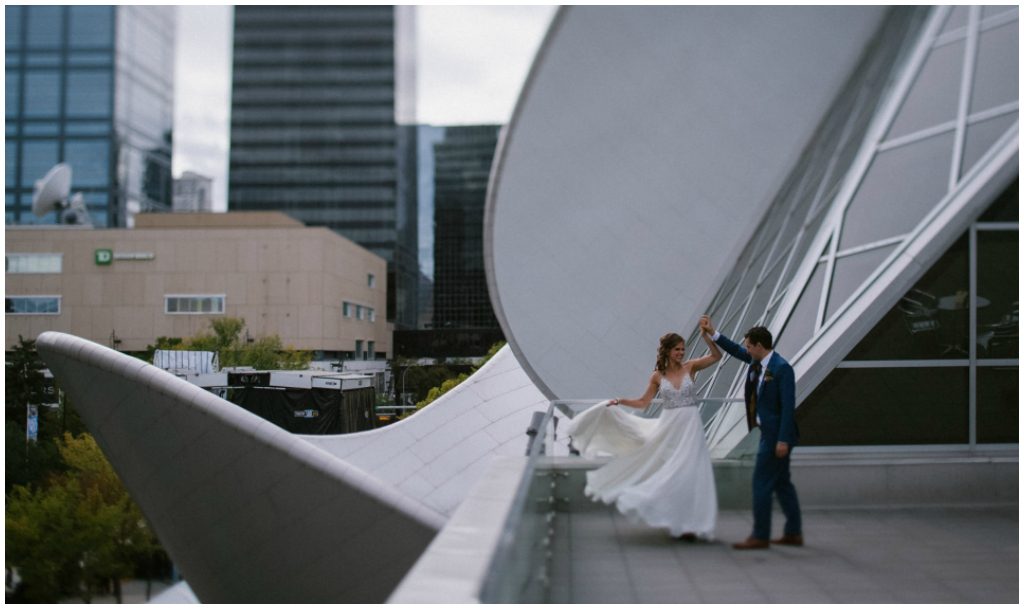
(912, 555)
(133, 591)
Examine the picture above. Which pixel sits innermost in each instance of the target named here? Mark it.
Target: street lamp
(404, 372)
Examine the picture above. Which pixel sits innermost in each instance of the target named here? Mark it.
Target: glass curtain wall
(80, 90)
(935, 93)
(942, 366)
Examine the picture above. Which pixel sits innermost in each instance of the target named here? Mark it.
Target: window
(359, 312)
(42, 94)
(923, 374)
(88, 93)
(34, 263)
(371, 280)
(194, 304)
(371, 347)
(359, 350)
(372, 314)
(32, 305)
(90, 160)
(346, 309)
(91, 26)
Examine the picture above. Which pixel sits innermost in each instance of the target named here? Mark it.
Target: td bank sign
(106, 257)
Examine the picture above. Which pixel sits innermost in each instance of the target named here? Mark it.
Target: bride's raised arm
(644, 400)
(701, 363)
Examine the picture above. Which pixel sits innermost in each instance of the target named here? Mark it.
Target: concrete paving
(863, 555)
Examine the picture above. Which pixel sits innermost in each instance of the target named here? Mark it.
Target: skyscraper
(462, 165)
(317, 94)
(91, 86)
(192, 192)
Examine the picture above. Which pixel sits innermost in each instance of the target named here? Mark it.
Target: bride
(660, 471)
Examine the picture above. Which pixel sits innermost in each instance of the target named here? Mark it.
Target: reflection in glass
(885, 406)
(998, 405)
(930, 320)
(999, 292)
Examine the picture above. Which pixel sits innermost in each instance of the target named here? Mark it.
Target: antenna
(51, 194)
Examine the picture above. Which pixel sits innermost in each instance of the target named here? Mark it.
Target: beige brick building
(173, 272)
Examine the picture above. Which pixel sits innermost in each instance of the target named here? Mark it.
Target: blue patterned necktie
(750, 394)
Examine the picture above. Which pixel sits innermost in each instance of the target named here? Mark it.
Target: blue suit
(776, 407)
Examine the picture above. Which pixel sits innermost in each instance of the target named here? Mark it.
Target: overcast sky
(471, 63)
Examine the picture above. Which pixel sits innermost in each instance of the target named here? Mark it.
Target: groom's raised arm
(731, 348)
(737, 351)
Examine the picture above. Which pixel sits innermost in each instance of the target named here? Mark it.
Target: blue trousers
(771, 476)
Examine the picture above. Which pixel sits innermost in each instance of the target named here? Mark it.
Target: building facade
(316, 92)
(91, 86)
(193, 192)
(462, 166)
(173, 273)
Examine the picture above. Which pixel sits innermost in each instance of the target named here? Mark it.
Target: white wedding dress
(660, 472)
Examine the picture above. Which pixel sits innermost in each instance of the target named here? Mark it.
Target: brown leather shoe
(751, 543)
(789, 540)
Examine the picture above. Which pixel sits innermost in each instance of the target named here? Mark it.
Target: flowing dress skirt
(660, 472)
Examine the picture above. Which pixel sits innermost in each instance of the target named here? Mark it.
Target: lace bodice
(678, 398)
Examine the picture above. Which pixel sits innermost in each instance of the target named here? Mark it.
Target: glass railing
(516, 571)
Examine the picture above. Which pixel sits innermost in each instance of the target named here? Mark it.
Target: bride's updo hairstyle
(668, 342)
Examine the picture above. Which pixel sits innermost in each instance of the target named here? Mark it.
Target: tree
(25, 381)
(225, 339)
(79, 531)
(31, 462)
(450, 384)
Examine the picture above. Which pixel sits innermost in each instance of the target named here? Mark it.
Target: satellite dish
(52, 191)
(51, 194)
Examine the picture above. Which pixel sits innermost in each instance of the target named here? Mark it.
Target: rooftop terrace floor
(863, 555)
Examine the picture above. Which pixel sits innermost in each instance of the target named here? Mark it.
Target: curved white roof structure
(644, 150)
(252, 513)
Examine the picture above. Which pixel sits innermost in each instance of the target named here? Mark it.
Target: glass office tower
(91, 86)
(316, 95)
(462, 166)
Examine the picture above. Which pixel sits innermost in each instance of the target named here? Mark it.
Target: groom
(770, 395)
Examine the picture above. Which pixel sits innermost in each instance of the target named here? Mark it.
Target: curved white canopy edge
(645, 146)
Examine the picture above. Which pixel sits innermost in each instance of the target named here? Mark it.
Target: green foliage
(225, 338)
(32, 462)
(79, 531)
(23, 375)
(443, 388)
(449, 384)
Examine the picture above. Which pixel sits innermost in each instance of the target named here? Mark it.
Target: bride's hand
(613, 402)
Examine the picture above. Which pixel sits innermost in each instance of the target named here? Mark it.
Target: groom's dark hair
(759, 335)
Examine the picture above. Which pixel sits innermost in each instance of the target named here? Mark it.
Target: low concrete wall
(875, 480)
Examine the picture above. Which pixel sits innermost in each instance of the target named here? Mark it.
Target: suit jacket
(776, 396)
